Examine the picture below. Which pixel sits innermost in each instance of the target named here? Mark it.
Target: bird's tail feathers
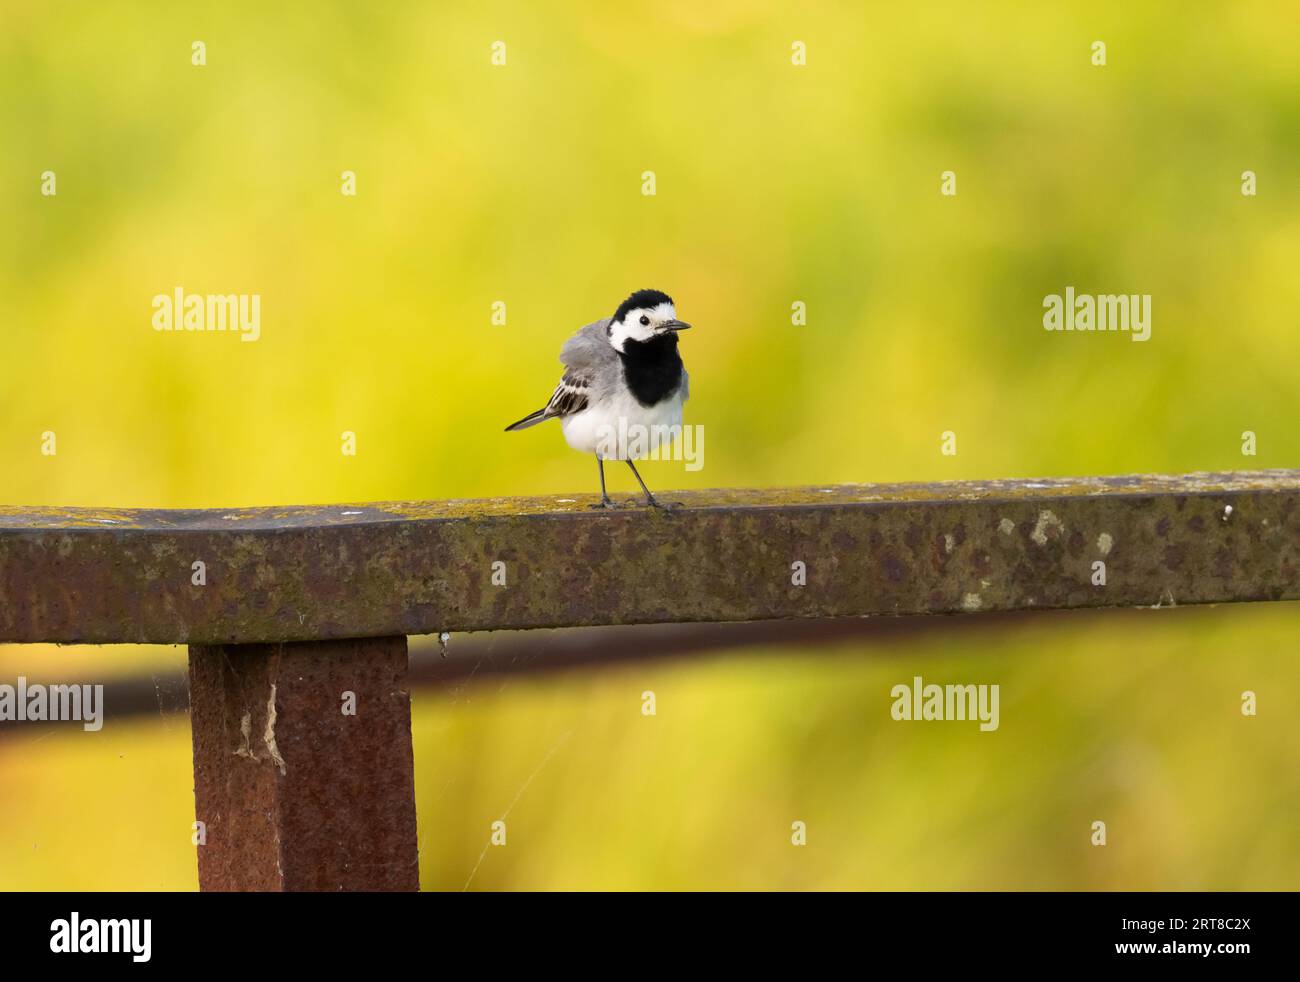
(532, 419)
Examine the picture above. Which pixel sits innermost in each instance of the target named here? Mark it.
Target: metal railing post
(303, 769)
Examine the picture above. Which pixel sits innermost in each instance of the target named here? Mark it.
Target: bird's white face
(643, 324)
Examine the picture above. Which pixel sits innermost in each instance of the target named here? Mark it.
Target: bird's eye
(645, 321)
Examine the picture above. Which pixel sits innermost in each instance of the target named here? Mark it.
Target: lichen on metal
(369, 570)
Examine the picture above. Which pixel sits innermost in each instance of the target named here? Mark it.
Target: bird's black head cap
(640, 299)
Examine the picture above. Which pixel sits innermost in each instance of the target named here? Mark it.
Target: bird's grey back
(589, 349)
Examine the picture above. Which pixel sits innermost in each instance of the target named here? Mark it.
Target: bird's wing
(570, 396)
(583, 356)
(590, 363)
(590, 366)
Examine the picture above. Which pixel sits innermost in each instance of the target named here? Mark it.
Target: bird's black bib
(652, 369)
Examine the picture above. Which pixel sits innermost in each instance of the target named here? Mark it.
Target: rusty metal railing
(292, 612)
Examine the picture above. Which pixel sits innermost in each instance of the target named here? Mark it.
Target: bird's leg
(604, 498)
(649, 498)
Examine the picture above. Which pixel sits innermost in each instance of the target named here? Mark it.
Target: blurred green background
(775, 183)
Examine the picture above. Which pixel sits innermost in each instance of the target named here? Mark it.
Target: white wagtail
(622, 375)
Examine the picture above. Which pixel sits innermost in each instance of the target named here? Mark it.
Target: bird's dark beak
(675, 326)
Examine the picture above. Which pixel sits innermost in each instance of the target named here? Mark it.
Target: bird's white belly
(623, 429)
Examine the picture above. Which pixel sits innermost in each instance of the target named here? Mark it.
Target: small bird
(623, 377)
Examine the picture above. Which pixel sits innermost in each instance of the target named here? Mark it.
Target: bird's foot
(664, 506)
(603, 503)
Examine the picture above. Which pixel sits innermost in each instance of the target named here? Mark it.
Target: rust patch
(295, 794)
